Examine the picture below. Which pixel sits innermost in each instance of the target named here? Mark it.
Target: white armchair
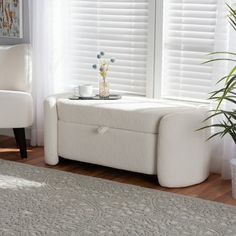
(15, 99)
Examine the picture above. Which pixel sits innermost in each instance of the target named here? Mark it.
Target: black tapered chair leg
(21, 141)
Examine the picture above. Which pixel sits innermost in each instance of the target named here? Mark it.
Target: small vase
(104, 89)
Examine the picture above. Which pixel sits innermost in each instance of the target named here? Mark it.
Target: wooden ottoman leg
(21, 141)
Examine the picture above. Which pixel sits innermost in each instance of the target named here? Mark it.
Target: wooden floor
(214, 188)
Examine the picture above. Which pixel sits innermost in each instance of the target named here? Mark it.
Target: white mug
(86, 90)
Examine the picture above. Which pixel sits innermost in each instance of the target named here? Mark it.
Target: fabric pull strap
(102, 130)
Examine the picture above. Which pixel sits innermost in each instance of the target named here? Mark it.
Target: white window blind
(119, 28)
(189, 34)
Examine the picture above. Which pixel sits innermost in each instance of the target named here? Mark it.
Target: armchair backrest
(15, 67)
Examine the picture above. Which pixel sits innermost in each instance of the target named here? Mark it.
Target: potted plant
(227, 93)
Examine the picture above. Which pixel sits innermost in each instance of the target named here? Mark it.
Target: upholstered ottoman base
(135, 134)
(121, 149)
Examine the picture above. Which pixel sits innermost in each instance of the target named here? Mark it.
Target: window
(122, 29)
(159, 49)
(189, 34)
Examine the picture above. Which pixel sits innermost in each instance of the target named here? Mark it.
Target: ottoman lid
(129, 113)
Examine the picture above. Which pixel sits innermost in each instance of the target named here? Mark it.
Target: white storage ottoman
(135, 134)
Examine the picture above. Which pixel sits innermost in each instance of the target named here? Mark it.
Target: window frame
(159, 47)
(157, 83)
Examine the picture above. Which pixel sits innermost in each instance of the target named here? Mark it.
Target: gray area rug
(40, 201)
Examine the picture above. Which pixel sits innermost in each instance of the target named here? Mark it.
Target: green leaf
(231, 73)
(214, 135)
(219, 59)
(230, 53)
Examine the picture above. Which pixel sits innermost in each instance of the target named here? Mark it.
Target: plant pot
(233, 174)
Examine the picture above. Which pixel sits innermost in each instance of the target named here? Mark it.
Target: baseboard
(9, 132)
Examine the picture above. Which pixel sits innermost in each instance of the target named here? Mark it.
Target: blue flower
(101, 69)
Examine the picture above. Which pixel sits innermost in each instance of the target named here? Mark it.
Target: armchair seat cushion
(16, 109)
